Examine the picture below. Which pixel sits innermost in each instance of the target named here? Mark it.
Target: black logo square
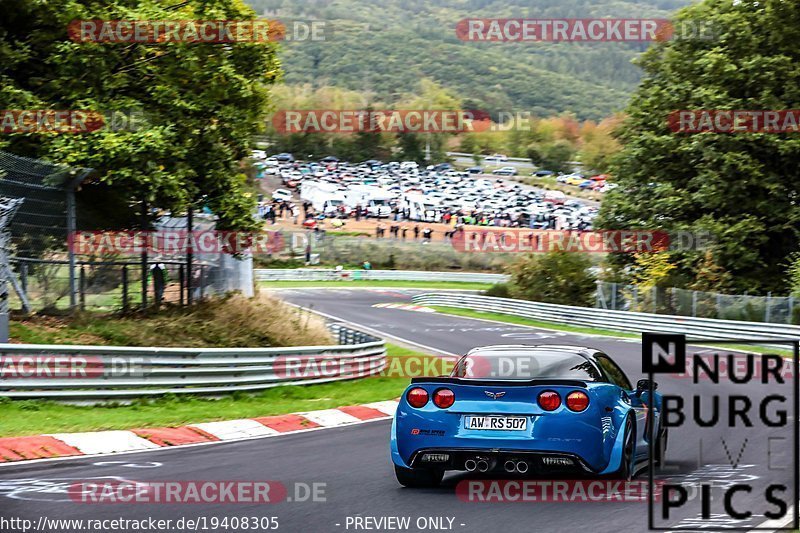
(663, 353)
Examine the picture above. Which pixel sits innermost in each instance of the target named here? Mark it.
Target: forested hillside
(386, 46)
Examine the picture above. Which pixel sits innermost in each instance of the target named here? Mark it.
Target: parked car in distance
(500, 158)
(284, 158)
(282, 195)
(543, 173)
(475, 170)
(505, 171)
(554, 197)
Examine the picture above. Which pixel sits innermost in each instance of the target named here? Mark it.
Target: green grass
(31, 417)
(219, 323)
(371, 283)
(511, 319)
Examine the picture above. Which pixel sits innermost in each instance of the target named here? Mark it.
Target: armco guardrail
(125, 372)
(319, 274)
(697, 328)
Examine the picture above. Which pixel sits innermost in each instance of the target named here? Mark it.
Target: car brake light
(549, 400)
(444, 398)
(577, 401)
(417, 397)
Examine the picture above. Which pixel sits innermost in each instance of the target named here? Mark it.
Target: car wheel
(418, 478)
(661, 448)
(625, 471)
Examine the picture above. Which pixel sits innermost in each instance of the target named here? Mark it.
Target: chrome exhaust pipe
(510, 466)
(470, 465)
(522, 467)
(483, 466)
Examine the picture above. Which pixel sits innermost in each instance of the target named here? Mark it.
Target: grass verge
(511, 319)
(372, 283)
(231, 322)
(32, 417)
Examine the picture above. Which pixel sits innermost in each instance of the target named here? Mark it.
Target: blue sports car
(526, 409)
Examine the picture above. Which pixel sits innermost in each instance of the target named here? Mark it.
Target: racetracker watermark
(177, 31)
(728, 121)
(175, 242)
(193, 492)
(744, 422)
(506, 240)
(581, 30)
(74, 121)
(55, 366)
(330, 366)
(376, 121)
(525, 491)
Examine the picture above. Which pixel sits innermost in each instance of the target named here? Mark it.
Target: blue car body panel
(594, 436)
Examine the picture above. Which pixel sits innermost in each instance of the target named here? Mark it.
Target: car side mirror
(644, 385)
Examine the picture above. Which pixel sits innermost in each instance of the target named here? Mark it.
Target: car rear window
(526, 365)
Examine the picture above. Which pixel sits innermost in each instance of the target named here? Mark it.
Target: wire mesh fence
(38, 256)
(683, 302)
(109, 285)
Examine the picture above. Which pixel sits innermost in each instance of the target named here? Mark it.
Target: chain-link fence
(109, 285)
(683, 302)
(48, 275)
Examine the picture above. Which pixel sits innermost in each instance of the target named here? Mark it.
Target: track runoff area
(731, 460)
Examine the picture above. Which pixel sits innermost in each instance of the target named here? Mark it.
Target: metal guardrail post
(181, 284)
(23, 276)
(124, 288)
(82, 288)
(767, 309)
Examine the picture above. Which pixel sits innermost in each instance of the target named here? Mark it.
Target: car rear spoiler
(501, 382)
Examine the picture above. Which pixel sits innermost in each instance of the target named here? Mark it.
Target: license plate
(502, 423)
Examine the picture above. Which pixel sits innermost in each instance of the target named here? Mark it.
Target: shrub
(499, 290)
(556, 277)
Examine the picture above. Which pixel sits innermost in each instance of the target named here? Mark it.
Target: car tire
(661, 448)
(625, 471)
(418, 478)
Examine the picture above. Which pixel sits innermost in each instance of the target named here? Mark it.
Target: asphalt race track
(353, 462)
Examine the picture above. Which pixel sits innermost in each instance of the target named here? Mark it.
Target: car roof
(500, 349)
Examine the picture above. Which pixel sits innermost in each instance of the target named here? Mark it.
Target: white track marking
(102, 442)
(235, 429)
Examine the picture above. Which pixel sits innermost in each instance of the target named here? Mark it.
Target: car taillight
(577, 401)
(444, 398)
(549, 400)
(417, 397)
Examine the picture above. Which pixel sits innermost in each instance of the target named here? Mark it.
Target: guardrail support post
(181, 284)
(83, 287)
(23, 276)
(768, 305)
(124, 288)
(655, 299)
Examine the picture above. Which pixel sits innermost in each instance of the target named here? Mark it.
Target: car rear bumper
(539, 462)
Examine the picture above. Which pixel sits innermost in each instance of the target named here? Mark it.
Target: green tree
(742, 188)
(198, 105)
(556, 277)
(555, 156)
